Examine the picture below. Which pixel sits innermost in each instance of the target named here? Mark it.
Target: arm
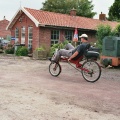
(74, 55)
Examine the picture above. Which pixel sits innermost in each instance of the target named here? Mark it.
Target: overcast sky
(8, 8)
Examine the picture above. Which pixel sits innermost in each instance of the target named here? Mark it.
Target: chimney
(102, 16)
(73, 12)
(4, 18)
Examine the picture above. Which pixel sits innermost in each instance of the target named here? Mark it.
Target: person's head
(84, 38)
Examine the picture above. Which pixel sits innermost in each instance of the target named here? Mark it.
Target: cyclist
(70, 51)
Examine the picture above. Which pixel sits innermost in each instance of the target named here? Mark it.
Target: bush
(58, 46)
(118, 30)
(21, 51)
(102, 31)
(40, 49)
(40, 53)
(9, 50)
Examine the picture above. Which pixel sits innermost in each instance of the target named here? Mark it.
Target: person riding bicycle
(70, 51)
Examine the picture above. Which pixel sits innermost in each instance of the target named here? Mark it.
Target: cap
(83, 35)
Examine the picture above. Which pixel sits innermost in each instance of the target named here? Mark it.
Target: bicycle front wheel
(91, 71)
(54, 69)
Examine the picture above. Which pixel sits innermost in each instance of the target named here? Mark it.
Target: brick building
(3, 32)
(34, 28)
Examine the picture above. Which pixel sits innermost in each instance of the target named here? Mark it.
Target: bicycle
(90, 69)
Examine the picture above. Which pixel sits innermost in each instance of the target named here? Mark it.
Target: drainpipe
(39, 37)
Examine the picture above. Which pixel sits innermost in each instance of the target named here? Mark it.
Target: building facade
(35, 28)
(3, 32)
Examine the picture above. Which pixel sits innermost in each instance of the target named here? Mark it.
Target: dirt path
(29, 92)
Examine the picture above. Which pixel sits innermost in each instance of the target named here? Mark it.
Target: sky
(9, 8)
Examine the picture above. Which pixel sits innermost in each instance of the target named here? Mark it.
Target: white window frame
(30, 39)
(23, 35)
(55, 37)
(16, 34)
(69, 34)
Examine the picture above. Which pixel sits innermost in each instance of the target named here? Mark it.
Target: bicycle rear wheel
(54, 69)
(91, 71)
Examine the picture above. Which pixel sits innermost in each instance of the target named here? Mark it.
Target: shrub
(21, 51)
(58, 46)
(102, 31)
(40, 48)
(40, 53)
(9, 50)
(118, 30)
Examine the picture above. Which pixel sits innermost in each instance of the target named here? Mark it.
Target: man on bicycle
(70, 51)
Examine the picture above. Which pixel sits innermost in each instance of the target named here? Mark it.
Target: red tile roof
(3, 31)
(58, 19)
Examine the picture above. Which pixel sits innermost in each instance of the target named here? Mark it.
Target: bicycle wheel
(91, 71)
(54, 69)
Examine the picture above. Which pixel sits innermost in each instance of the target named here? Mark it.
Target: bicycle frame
(90, 69)
(76, 62)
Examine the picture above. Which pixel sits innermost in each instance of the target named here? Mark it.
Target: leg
(62, 52)
(69, 46)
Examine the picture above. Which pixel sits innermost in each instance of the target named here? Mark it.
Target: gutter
(65, 27)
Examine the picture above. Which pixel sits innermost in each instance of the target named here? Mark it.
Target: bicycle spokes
(91, 71)
(54, 69)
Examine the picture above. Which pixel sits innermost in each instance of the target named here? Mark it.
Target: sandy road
(29, 92)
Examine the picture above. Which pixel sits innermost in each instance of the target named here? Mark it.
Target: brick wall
(23, 20)
(41, 35)
(3, 32)
(45, 36)
(91, 36)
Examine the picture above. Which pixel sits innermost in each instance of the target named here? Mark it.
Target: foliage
(41, 52)
(21, 51)
(103, 31)
(9, 50)
(58, 46)
(83, 7)
(118, 29)
(40, 48)
(114, 11)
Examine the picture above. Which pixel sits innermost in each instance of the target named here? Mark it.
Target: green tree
(114, 11)
(102, 31)
(83, 7)
(118, 30)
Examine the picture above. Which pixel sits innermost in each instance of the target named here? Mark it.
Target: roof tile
(58, 19)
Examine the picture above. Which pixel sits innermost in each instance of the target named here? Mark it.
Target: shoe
(53, 61)
(49, 59)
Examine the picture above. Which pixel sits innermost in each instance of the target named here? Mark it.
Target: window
(16, 34)
(54, 36)
(30, 37)
(23, 35)
(69, 35)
